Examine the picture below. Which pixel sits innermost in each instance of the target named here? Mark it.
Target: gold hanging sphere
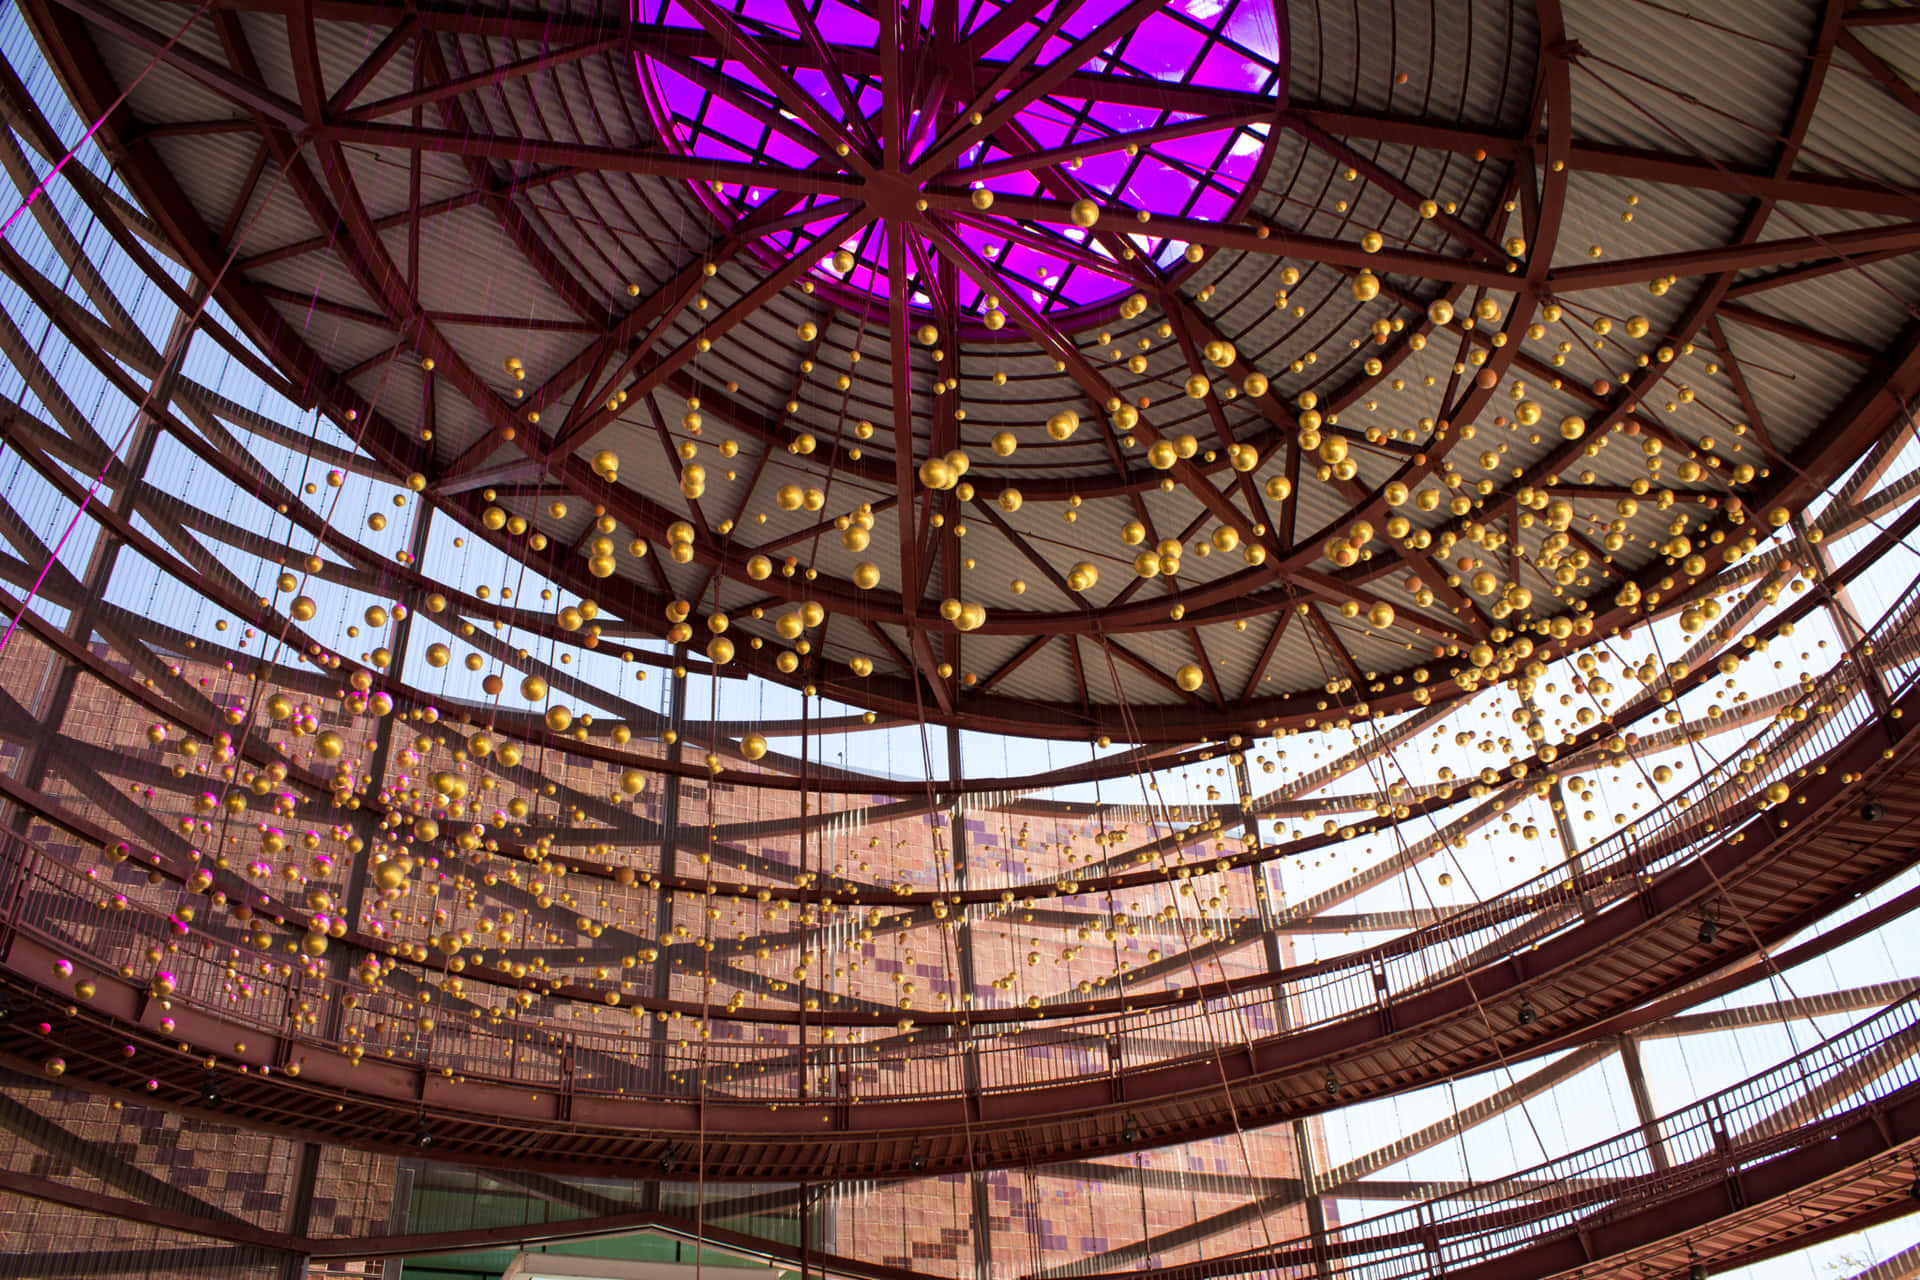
(1084, 213)
(866, 575)
(1133, 533)
(1010, 500)
(302, 609)
(1366, 286)
(1380, 616)
(759, 568)
(720, 651)
(1063, 424)
(1004, 443)
(937, 473)
(559, 719)
(1190, 677)
(753, 746)
(438, 655)
(1161, 455)
(982, 199)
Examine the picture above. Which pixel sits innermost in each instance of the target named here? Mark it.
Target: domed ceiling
(1132, 371)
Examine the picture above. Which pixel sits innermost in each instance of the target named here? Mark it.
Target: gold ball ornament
(1189, 677)
(753, 746)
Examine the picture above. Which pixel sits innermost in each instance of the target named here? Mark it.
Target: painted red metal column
(1303, 1152)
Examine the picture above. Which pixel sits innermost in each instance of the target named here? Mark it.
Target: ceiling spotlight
(423, 1138)
(918, 1160)
(1526, 1014)
(210, 1092)
(670, 1160)
(1709, 930)
(1131, 1134)
(1333, 1084)
(1871, 810)
(1697, 1272)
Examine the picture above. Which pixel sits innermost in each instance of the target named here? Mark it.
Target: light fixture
(1526, 1014)
(1871, 810)
(1709, 930)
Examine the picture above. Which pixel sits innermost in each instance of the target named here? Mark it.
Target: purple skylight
(706, 101)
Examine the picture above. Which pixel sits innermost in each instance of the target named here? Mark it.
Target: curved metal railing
(75, 911)
(1786, 1108)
